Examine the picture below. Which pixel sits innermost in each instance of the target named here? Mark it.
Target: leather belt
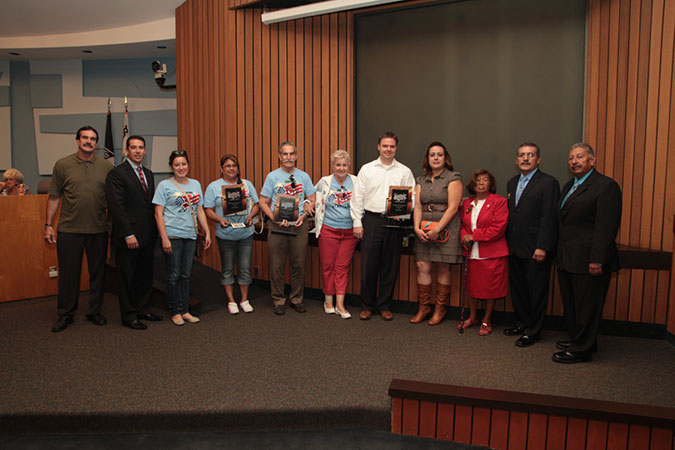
(431, 207)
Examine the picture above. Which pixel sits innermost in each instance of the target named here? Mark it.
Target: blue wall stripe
(4, 95)
(125, 77)
(24, 150)
(155, 123)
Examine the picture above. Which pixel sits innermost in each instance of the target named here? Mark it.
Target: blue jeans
(239, 251)
(178, 270)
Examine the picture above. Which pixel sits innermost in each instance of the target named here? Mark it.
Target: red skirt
(487, 278)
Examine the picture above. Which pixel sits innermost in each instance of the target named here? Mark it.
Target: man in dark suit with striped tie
(129, 189)
(588, 220)
(533, 198)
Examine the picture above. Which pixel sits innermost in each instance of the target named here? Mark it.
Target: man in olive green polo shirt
(78, 182)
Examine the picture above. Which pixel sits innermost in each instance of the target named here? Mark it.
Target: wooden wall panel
(244, 86)
(629, 121)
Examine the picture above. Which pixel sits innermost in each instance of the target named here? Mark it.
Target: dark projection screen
(481, 76)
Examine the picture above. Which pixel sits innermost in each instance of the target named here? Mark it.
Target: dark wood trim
(642, 258)
(654, 416)
(629, 257)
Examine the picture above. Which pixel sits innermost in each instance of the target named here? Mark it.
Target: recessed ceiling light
(87, 51)
(14, 53)
(161, 46)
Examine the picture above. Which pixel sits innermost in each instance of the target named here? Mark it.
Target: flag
(125, 133)
(109, 149)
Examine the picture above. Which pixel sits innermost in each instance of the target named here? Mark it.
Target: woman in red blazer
(484, 220)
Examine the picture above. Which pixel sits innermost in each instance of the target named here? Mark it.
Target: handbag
(201, 235)
(443, 235)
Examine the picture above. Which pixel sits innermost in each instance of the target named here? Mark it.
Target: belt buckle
(429, 207)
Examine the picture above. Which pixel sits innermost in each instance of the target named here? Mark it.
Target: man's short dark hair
(86, 128)
(137, 137)
(387, 135)
(529, 144)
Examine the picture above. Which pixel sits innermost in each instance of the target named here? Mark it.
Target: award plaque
(234, 200)
(399, 202)
(286, 208)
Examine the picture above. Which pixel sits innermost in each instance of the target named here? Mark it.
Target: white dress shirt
(372, 187)
(475, 212)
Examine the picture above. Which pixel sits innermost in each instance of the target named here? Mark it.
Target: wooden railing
(516, 420)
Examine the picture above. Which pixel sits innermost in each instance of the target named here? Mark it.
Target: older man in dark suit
(129, 189)
(588, 218)
(533, 198)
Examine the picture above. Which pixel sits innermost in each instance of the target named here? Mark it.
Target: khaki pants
(279, 247)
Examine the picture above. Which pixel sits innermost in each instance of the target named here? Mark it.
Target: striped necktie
(140, 175)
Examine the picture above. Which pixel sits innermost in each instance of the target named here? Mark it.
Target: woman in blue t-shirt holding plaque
(232, 203)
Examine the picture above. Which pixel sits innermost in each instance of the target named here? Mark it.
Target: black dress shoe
(567, 357)
(97, 319)
(150, 316)
(526, 341)
(298, 307)
(514, 330)
(136, 325)
(62, 324)
(563, 345)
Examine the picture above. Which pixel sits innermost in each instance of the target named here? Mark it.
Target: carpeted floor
(353, 439)
(298, 371)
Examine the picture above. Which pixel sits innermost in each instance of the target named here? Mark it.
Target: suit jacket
(490, 226)
(588, 224)
(533, 223)
(131, 209)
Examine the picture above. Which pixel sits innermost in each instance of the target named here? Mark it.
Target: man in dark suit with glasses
(533, 198)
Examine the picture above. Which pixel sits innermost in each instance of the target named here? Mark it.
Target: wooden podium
(25, 258)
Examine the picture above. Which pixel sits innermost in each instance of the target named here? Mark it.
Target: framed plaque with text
(399, 202)
(234, 200)
(286, 208)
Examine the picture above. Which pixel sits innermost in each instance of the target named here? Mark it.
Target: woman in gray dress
(438, 195)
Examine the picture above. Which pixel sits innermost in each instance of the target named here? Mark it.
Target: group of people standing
(506, 242)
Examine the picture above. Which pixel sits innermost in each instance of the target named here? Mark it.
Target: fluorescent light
(316, 9)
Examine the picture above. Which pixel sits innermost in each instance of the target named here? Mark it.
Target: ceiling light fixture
(315, 9)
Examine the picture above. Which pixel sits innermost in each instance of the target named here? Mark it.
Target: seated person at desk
(13, 184)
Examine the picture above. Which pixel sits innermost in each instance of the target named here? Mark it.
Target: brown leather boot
(442, 300)
(423, 301)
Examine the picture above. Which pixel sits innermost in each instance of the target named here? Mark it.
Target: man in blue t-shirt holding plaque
(286, 198)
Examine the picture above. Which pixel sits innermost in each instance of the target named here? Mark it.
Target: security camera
(160, 75)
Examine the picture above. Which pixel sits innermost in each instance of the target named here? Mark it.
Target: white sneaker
(246, 306)
(232, 307)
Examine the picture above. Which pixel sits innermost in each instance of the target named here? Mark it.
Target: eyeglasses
(230, 166)
(293, 184)
(178, 153)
